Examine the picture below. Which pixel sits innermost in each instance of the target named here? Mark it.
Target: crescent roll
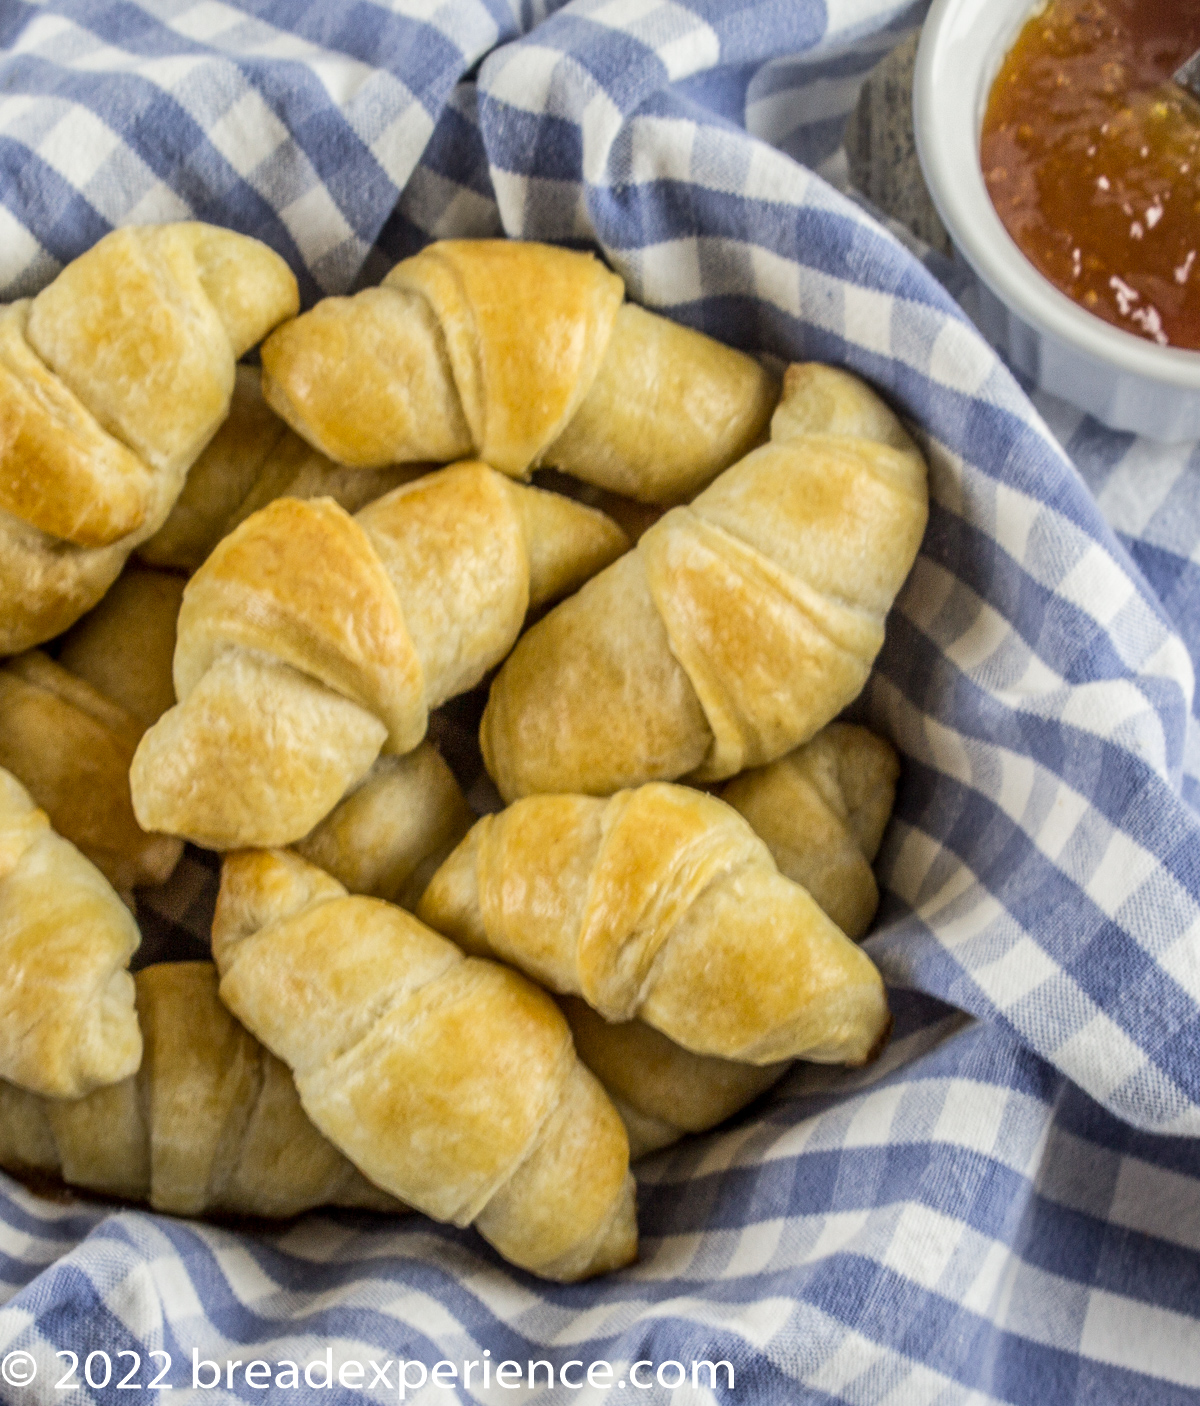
(67, 1022)
(449, 1081)
(662, 903)
(311, 640)
(822, 811)
(522, 354)
(210, 1123)
(738, 626)
(112, 380)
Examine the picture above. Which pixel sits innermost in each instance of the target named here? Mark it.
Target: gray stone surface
(882, 151)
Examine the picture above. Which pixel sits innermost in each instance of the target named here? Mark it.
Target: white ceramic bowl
(1125, 381)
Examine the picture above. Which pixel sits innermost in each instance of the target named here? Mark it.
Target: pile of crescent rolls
(233, 606)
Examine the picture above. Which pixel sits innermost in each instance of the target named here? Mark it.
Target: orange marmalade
(1092, 160)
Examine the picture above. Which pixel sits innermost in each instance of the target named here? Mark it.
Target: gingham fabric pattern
(1006, 1208)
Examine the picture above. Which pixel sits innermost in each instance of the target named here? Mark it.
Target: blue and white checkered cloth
(1007, 1207)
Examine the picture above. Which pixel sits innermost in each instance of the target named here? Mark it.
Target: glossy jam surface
(1092, 160)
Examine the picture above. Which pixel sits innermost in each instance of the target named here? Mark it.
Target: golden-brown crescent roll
(738, 626)
(112, 380)
(210, 1123)
(662, 903)
(449, 1081)
(67, 1022)
(311, 640)
(822, 810)
(522, 354)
